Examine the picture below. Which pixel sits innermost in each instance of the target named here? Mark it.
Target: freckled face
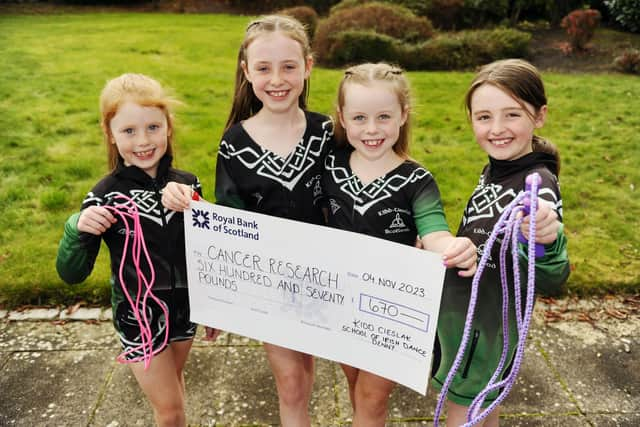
(502, 127)
(140, 133)
(372, 117)
(277, 69)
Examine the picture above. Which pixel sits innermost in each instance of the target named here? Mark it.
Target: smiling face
(140, 134)
(503, 127)
(372, 117)
(277, 69)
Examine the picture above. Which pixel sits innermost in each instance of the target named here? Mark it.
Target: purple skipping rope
(509, 225)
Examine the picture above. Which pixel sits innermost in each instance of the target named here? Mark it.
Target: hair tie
(395, 72)
(253, 24)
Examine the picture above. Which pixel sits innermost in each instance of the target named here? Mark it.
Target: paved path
(580, 369)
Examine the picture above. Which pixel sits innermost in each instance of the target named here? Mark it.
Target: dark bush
(465, 49)
(418, 7)
(480, 13)
(322, 7)
(581, 26)
(355, 46)
(446, 14)
(264, 6)
(306, 15)
(99, 2)
(458, 14)
(625, 13)
(393, 21)
(629, 61)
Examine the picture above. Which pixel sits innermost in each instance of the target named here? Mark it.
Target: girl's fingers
(95, 220)
(468, 272)
(461, 254)
(176, 196)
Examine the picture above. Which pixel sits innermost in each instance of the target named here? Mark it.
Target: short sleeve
(427, 207)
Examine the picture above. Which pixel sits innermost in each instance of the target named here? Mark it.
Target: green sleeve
(77, 252)
(428, 212)
(552, 269)
(429, 217)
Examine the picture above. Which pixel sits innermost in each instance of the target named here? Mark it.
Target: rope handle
(527, 207)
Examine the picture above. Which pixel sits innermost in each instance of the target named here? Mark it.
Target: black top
(251, 177)
(163, 228)
(398, 206)
(499, 184)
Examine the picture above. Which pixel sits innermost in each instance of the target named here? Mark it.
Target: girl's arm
(78, 250)
(459, 252)
(553, 268)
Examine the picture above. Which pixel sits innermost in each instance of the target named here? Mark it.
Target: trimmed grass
(54, 67)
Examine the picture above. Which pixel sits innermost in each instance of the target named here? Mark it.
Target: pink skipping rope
(509, 225)
(125, 210)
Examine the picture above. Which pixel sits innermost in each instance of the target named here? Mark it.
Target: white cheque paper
(342, 296)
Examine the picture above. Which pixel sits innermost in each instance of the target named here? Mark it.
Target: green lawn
(54, 67)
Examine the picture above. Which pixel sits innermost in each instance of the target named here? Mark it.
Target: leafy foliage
(355, 46)
(581, 25)
(466, 49)
(393, 21)
(626, 13)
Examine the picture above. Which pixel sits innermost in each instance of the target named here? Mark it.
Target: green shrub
(506, 43)
(347, 4)
(306, 15)
(465, 49)
(534, 26)
(393, 21)
(626, 13)
(355, 46)
(419, 7)
(443, 52)
(628, 62)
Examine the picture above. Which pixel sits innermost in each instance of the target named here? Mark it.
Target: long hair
(368, 74)
(522, 81)
(137, 88)
(245, 102)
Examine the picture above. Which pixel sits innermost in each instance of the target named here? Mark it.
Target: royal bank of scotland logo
(200, 218)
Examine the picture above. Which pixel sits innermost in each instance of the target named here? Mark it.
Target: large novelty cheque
(338, 295)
